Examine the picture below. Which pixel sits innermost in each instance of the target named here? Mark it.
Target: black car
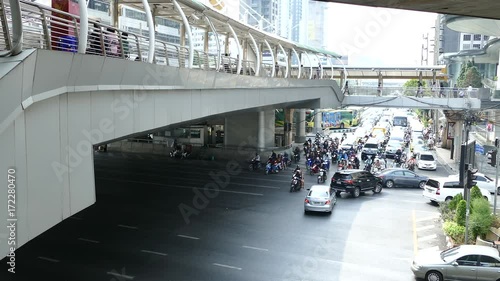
(354, 182)
(401, 178)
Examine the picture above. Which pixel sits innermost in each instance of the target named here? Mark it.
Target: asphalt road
(250, 227)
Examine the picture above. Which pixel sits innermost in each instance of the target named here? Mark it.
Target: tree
(410, 87)
(469, 75)
(460, 214)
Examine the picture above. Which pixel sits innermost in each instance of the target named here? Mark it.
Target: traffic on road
(310, 213)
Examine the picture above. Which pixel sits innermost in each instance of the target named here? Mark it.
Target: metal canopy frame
(165, 8)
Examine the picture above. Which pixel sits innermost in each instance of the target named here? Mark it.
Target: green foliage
(447, 213)
(475, 193)
(410, 87)
(454, 202)
(469, 75)
(455, 231)
(460, 213)
(481, 219)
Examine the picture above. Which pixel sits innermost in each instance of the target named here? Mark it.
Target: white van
(444, 189)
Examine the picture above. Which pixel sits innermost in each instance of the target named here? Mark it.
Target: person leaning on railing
(95, 41)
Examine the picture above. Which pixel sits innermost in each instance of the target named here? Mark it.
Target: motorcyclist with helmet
(298, 174)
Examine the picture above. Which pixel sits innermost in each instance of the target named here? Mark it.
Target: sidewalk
(481, 160)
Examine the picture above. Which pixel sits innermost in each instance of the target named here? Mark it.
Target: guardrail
(51, 29)
(413, 92)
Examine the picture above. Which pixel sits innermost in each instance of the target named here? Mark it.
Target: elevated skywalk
(404, 97)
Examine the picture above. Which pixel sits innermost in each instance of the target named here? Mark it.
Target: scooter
(295, 184)
(322, 176)
(314, 170)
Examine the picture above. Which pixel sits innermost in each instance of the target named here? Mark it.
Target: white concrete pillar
(261, 134)
(301, 125)
(318, 118)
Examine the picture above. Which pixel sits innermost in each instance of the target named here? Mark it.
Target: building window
(486, 37)
(476, 46)
(466, 47)
(466, 37)
(477, 37)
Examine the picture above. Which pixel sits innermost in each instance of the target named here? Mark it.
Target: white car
(483, 181)
(444, 189)
(466, 262)
(426, 161)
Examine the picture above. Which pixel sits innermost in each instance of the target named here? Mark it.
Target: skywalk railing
(51, 29)
(423, 92)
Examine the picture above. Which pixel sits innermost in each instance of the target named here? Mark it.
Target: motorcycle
(176, 154)
(271, 168)
(309, 162)
(295, 184)
(296, 157)
(322, 176)
(254, 165)
(368, 167)
(314, 170)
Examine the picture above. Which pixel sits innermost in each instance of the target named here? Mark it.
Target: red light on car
(349, 182)
(327, 202)
(306, 201)
(438, 191)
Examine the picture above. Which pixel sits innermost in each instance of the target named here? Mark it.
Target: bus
(400, 120)
(340, 119)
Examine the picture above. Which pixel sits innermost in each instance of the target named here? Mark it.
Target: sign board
(479, 149)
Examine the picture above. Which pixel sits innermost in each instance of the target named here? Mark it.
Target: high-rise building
(299, 12)
(316, 24)
(263, 14)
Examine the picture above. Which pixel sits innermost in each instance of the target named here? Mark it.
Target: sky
(377, 36)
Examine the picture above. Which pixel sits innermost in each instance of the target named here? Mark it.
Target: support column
(288, 124)
(318, 118)
(300, 136)
(205, 42)
(261, 133)
(114, 13)
(458, 128)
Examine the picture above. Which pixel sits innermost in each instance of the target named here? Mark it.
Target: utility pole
(496, 180)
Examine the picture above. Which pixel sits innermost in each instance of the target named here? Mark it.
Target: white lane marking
(75, 218)
(127, 226)
(255, 248)
(427, 238)
(48, 259)
(182, 186)
(428, 218)
(227, 266)
(88, 240)
(120, 275)
(425, 227)
(188, 237)
(152, 252)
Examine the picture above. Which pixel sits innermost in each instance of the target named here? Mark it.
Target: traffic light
(471, 177)
(492, 157)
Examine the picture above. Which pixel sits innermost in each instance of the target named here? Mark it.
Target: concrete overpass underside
(56, 105)
(478, 8)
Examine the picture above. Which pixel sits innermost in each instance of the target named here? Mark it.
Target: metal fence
(413, 92)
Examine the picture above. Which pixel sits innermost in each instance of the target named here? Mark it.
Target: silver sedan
(320, 198)
(466, 262)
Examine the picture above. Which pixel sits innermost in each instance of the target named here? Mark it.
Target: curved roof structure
(473, 25)
(488, 54)
(196, 10)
